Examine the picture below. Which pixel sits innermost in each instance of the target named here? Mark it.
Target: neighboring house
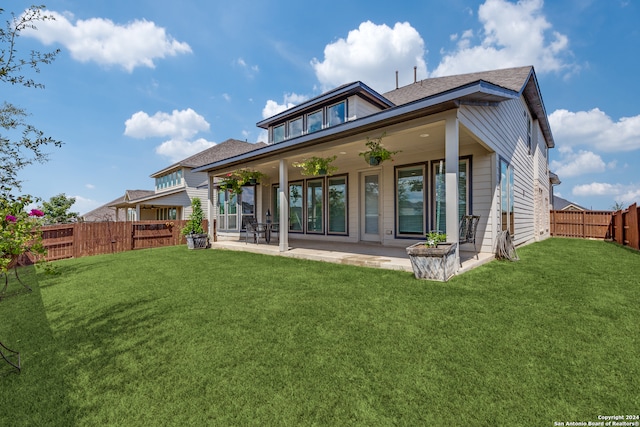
(468, 144)
(560, 204)
(105, 213)
(176, 185)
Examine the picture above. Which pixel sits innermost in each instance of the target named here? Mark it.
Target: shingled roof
(221, 151)
(513, 79)
(106, 212)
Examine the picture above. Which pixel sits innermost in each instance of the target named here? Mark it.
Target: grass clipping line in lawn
(175, 337)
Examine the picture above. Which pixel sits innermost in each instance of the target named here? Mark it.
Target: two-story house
(175, 186)
(467, 144)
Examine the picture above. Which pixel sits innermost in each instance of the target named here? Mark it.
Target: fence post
(76, 241)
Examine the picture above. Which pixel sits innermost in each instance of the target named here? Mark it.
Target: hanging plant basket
(376, 153)
(249, 176)
(315, 166)
(231, 183)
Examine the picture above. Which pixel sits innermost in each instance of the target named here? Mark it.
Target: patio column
(283, 198)
(137, 211)
(451, 177)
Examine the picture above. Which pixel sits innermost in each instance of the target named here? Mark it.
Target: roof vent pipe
(396, 79)
(415, 74)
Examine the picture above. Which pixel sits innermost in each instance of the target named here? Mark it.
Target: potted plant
(193, 231)
(315, 166)
(434, 259)
(376, 153)
(231, 182)
(248, 176)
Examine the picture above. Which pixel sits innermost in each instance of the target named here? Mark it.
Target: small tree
(58, 210)
(194, 225)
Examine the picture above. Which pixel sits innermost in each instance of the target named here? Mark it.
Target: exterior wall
(541, 186)
(196, 187)
(358, 108)
(504, 129)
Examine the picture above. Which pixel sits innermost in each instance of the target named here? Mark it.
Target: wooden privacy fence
(622, 226)
(581, 224)
(626, 227)
(94, 238)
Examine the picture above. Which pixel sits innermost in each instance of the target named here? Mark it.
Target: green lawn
(176, 337)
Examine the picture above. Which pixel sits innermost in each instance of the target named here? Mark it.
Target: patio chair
(253, 229)
(468, 228)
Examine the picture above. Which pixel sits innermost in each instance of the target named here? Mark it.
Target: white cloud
(176, 149)
(575, 164)
(626, 194)
(90, 186)
(596, 129)
(595, 189)
(250, 70)
(136, 44)
(515, 34)
(372, 54)
(272, 107)
(179, 124)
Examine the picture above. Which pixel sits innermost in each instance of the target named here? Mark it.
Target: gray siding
(504, 129)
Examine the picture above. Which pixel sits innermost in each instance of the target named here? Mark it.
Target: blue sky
(141, 84)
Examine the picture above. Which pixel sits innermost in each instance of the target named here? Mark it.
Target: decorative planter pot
(437, 263)
(374, 161)
(197, 241)
(253, 181)
(322, 171)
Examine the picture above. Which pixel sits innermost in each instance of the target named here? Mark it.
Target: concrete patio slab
(361, 254)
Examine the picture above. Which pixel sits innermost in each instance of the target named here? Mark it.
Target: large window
(506, 196)
(248, 202)
(337, 190)
(439, 193)
(410, 200)
(296, 213)
(315, 206)
(222, 210)
(337, 114)
(314, 121)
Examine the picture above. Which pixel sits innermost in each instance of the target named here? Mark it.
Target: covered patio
(362, 254)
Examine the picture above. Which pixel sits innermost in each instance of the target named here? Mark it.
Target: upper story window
(315, 121)
(328, 116)
(337, 114)
(295, 127)
(169, 180)
(278, 133)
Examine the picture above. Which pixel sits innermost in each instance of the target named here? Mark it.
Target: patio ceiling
(405, 137)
